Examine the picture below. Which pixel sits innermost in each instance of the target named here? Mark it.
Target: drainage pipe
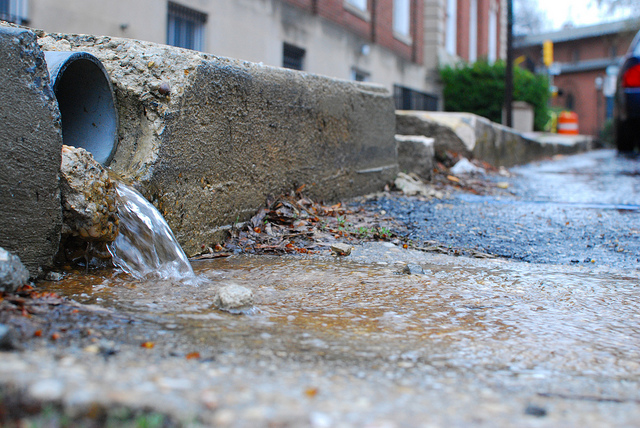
(86, 102)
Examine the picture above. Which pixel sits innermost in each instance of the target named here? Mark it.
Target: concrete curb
(416, 154)
(208, 139)
(30, 143)
(476, 137)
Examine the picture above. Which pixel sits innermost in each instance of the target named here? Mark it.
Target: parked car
(627, 100)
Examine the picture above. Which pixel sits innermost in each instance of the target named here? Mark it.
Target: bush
(479, 88)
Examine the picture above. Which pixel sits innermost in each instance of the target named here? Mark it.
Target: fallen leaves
(295, 224)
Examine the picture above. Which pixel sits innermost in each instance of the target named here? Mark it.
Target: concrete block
(447, 136)
(477, 137)
(208, 139)
(30, 143)
(416, 154)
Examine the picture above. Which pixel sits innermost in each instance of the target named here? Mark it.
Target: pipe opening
(86, 102)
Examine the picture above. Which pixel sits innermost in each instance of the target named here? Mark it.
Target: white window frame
(402, 18)
(473, 31)
(492, 55)
(451, 29)
(18, 12)
(358, 4)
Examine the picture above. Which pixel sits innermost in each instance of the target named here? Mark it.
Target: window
(492, 55)
(185, 27)
(360, 4)
(359, 75)
(473, 31)
(451, 28)
(575, 55)
(410, 99)
(570, 101)
(401, 17)
(14, 11)
(292, 57)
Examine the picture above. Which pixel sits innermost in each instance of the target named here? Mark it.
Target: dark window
(410, 99)
(185, 27)
(292, 57)
(613, 51)
(570, 102)
(359, 75)
(14, 11)
(575, 55)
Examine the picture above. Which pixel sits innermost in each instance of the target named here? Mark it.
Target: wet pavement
(354, 341)
(582, 209)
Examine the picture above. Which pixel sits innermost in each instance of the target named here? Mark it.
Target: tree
(528, 19)
(631, 7)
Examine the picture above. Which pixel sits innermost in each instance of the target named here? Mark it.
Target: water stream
(146, 247)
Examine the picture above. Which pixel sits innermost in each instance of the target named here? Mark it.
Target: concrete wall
(255, 30)
(231, 133)
(30, 146)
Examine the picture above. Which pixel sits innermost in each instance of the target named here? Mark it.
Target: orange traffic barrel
(568, 123)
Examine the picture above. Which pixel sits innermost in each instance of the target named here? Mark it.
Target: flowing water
(468, 339)
(146, 246)
(516, 318)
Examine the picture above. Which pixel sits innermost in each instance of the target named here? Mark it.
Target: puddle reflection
(523, 318)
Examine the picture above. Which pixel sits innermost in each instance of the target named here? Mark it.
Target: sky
(580, 12)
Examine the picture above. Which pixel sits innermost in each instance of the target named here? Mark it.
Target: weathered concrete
(415, 154)
(227, 133)
(476, 137)
(30, 143)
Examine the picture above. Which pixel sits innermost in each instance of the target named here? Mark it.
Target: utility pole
(508, 79)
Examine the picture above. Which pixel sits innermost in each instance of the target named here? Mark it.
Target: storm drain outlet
(86, 102)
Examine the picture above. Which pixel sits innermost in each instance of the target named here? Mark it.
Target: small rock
(108, 348)
(6, 338)
(234, 298)
(47, 390)
(411, 185)
(164, 88)
(92, 349)
(55, 276)
(534, 410)
(13, 274)
(341, 249)
(88, 197)
(463, 166)
(412, 269)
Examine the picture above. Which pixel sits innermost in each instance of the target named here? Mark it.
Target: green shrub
(479, 88)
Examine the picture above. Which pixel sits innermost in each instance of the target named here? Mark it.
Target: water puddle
(524, 319)
(579, 205)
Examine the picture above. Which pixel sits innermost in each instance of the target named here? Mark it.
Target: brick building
(584, 67)
(397, 43)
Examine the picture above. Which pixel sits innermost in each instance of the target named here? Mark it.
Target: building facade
(399, 44)
(584, 67)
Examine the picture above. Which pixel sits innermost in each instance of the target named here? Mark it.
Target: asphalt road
(581, 210)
